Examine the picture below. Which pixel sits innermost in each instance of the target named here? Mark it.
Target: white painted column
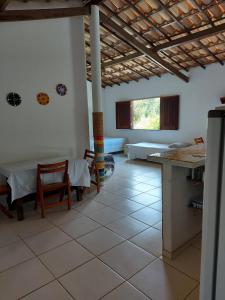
(96, 59)
(98, 131)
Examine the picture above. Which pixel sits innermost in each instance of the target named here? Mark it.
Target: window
(146, 114)
(159, 113)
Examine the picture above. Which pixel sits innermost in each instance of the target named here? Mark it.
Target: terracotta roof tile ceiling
(145, 38)
(165, 27)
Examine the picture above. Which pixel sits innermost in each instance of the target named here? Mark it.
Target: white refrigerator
(212, 285)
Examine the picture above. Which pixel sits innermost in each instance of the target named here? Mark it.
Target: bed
(142, 150)
(111, 144)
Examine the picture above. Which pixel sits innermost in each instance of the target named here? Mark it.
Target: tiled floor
(107, 247)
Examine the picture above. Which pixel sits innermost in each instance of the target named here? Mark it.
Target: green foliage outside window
(146, 114)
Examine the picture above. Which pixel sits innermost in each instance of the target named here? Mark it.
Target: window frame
(175, 121)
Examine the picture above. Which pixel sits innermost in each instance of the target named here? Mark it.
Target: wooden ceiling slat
(40, 14)
(140, 36)
(185, 33)
(162, 32)
(140, 47)
(192, 37)
(171, 14)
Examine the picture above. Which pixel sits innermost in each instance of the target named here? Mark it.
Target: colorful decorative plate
(61, 89)
(14, 99)
(43, 98)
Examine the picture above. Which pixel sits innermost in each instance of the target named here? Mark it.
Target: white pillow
(179, 145)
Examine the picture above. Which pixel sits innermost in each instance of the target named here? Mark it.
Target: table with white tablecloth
(21, 176)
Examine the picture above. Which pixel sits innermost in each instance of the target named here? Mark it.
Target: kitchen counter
(181, 224)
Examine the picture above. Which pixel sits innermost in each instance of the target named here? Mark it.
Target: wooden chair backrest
(59, 167)
(90, 156)
(4, 189)
(199, 140)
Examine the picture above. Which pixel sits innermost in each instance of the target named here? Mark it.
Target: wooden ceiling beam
(191, 37)
(137, 34)
(140, 47)
(40, 14)
(148, 19)
(188, 30)
(93, 2)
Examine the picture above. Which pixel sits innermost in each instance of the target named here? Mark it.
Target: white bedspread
(142, 150)
(111, 144)
(21, 176)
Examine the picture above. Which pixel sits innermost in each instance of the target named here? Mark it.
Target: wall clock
(61, 89)
(43, 98)
(14, 99)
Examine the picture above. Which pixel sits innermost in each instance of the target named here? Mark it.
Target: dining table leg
(19, 209)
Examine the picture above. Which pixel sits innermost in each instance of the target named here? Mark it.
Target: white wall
(34, 57)
(197, 97)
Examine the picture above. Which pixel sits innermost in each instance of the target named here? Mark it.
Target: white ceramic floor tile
(91, 281)
(110, 199)
(106, 215)
(65, 258)
(100, 240)
(14, 254)
(194, 295)
(157, 206)
(7, 235)
(158, 226)
(156, 192)
(113, 187)
(127, 259)
(127, 227)
(145, 199)
(150, 240)
(147, 215)
(64, 216)
(51, 291)
(31, 226)
(125, 292)
(79, 227)
(128, 192)
(89, 206)
(197, 243)
(157, 182)
(144, 178)
(47, 240)
(143, 187)
(126, 206)
(188, 262)
(23, 279)
(160, 281)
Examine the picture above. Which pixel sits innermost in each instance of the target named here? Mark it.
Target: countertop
(190, 157)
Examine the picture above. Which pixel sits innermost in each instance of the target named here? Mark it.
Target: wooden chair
(5, 191)
(91, 157)
(49, 190)
(199, 140)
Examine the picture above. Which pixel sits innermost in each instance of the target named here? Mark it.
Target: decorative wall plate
(43, 98)
(61, 89)
(14, 99)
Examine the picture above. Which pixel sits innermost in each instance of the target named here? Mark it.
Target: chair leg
(19, 209)
(69, 197)
(42, 203)
(62, 196)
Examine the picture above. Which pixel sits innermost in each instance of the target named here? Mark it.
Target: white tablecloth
(21, 176)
